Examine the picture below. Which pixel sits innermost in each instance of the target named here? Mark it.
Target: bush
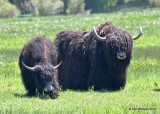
(154, 3)
(47, 7)
(39, 7)
(75, 6)
(99, 6)
(8, 10)
(25, 6)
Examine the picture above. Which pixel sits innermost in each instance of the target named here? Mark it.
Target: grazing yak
(98, 58)
(36, 62)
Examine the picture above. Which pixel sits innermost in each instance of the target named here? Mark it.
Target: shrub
(75, 6)
(47, 7)
(7, 9)
(25, 6)
(154, 3)
(99, 6)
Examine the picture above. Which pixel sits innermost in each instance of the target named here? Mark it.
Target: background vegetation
(143, 82)
(8, 10)
(21, 8)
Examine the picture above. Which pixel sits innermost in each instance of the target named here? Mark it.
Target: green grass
(143, 81)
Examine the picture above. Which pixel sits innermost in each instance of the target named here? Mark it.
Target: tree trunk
(65, 2)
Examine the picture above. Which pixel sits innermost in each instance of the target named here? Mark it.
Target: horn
(140, 33)
(97, 36)
(57, 65)
(29, 68)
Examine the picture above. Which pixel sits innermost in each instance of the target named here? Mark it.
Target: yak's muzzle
(48, 87)
(121, 55)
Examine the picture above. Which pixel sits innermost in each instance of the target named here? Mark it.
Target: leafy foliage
(75, 6)
(50, 7)
(100, 5)
(154, 3)
(25, 6)
(47, 7)
(39, 7)
(7, 9)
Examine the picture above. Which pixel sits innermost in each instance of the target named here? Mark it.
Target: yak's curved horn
(97, 36)
(140, 33)
(29, 68)
(57, 65)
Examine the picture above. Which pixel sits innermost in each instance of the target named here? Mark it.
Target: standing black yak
(36, 62)
(98, 58)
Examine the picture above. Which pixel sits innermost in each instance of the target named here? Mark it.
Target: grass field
(141, 94)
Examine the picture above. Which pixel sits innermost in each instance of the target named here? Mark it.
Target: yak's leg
(75, 77)
(28, 82)
(41, 92)
(98, 76)
(119, 81)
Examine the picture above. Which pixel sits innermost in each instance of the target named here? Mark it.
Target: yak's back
(68, 42)
(39, 49)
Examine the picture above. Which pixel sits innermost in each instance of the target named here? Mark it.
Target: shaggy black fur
(88, 62)
(42, 53)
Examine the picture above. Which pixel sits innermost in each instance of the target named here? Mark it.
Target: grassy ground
(142, 91)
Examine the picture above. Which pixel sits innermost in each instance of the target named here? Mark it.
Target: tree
(11, 1)
(120, 2)
(65, 7)
(95, 5)
(99, 5)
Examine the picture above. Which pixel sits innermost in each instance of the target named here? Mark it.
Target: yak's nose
(121, 55)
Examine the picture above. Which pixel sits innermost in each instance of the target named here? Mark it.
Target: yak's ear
(57, 65)
(97, 36)
(29, 68)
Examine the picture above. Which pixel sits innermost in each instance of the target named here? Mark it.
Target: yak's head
(44, 75)
(117, 44)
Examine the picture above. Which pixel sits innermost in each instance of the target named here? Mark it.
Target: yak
(95, 59)
(37, 62)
